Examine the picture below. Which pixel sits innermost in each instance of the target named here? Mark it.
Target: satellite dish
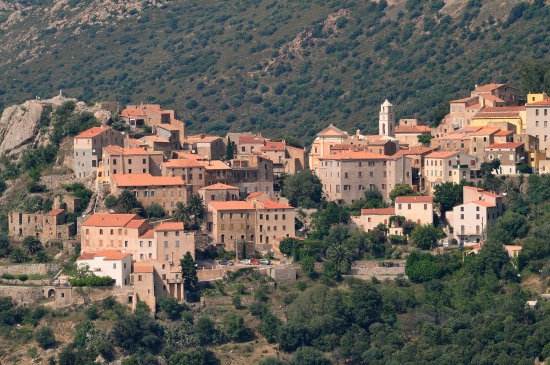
(192, 151)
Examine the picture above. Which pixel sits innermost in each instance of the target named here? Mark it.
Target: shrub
(92, 312)
(92, 281)
(23, 277)
(110, 201)
(44, 336)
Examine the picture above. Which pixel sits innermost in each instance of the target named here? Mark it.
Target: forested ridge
(272, 66)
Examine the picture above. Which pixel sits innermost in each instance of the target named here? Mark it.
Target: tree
(196, 356)
(19, 256)
(171, 307)
(234, 327)
(422, 267)
(138, 332)
(309, 356)
(308, 266)
(205, 330)
(366, 304)
(303, 189)
(425, 139)
(324, 219)
(32, 244)
(196, 208)
(4, 244)
(487, 168)
(155, 210)
(229, 150)
(401, 189)
(189, 270)
(110, 201)
(341, 256)
(448, 195)
(181, 213)
(509, 227)
(44, 336)
(425, 236)
(492, 257)
(288, 245)
(126, 201)
(271, 361)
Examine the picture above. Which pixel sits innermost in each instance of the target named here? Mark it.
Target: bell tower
(386, 121)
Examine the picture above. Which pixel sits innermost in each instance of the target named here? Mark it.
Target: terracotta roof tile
(143, 269)
(168, 127)
(135, 223)
(503, 133)
(129, 151)
(215, 165)
(148, 234)
(180, 162)
(219, 187)
(92, 132)
(133, 113)
(109, 220)
(415, 151)
(274, 146)
(412, 129)
(268, 204)
(378, 211)
(463, 100)
(539, 103)
(126, 180)
(442, 154)
(486, 131)
(55, 212)
(156, 139)
(231, 205)
(86, 256)
(251, 140)
(414, 199)
(201, 138)
(493, 98)
(483, 203)
(170, 226)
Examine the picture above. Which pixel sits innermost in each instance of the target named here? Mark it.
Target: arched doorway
(51, 293)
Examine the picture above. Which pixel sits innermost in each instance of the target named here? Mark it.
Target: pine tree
(189, 270)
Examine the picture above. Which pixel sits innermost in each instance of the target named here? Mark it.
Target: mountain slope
(279, 66)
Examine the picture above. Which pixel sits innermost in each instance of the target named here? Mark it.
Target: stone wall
(22, 294)
(283, 274)
(29, 269)
(206, 275)
(67, 296)
(201, 240)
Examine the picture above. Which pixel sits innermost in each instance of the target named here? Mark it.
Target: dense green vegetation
(232, 66)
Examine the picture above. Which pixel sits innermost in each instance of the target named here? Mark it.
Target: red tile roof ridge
(219, 186)
(92, 132)
(505, 145)
(378, 211)
(414, 199)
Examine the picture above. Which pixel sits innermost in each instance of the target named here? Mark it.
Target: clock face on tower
(382, 117)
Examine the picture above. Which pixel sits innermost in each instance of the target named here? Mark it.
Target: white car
(264, 262)
(245, 262)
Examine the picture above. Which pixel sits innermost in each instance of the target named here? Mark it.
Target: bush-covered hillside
(277, 66)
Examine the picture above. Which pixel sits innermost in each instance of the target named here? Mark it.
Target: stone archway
(51, 293)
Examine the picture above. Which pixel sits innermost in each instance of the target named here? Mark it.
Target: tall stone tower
(386, 122)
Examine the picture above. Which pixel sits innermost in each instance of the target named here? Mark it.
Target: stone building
(146, 114)
(46, 227)
(510, 154)
(209, 147)
(252, 173)
(537, 118)
(88, 147)
(166, 191)
(345, 177)
(218, 192)
(192, 172)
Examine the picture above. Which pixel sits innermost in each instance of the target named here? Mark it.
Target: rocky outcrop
(19, 126)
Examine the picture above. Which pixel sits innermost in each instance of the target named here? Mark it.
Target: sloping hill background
(284, 67)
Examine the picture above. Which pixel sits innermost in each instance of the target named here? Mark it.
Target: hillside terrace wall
(23, 294)
(29, 269)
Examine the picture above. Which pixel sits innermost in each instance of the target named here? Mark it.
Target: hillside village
(232, 185)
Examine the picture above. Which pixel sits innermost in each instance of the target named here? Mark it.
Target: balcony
(460, 166)
(174, 281)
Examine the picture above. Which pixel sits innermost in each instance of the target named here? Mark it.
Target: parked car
(255, 262)
(245, 262)
(445, 244)
(264, 262)
(225, 262)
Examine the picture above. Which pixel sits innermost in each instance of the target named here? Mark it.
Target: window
(177, 233)
(462, 216)
(371, 173)
(114, 161)
(144, 161)
(261, 216)
(537, 123)
(114, 266)
(166, 256)
(536, 112)
(125, 243)
(477, 209)
(284, 216)
(345, 175)
(139, 278)
(166, 244)
(425, 206)
(129, 161)
(177, 244)
(399, 206)
(100, 231)
(409, 207)
(545, 124)
(477, 216)
(222, 226)
(360, 174)
(140, 243)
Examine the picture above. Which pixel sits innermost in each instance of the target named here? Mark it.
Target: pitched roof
(412, 129)
(378, 211)
(148, 234)
(274, 146)
(168, 127)
(499, 112)
(54, 212)
(92, 132)
(268, 204)
(255, 194)
(251, 140)
(482, 191)
(170, 226)
(135, 223)
(156, 139)
(473, 106)
(539, 103)
(352, 155)
(503, 133)
(86, 256)
(231, 205)
(215, 165)
(122, 180)
(180, 162)
(133, 113)
(333, 130)
(189, 156)
(201, 138)
(219, 187)
(483, 203)
(493, 98)
(109, 220)
(129, 151)
(106, 254)
(414, 199)
(471, 128)
(143, 268)
(505, 145)
(488, 87)
(442, 154)
(415, 151)
(463, 100)
(486, 131)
